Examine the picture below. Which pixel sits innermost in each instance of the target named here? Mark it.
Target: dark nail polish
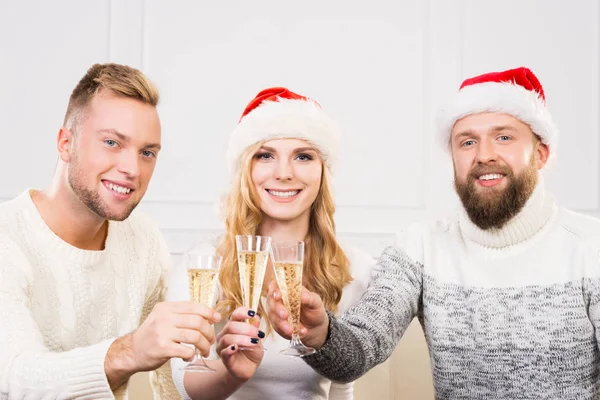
(251, 313)
(233, 347)
(254, 340)
(261, 334)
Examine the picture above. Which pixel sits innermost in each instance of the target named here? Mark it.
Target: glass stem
(198, 359)
(295, 340)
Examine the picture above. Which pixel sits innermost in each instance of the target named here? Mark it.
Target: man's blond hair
(116, 79)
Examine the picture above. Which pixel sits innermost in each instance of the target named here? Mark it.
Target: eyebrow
(504, 128)
(126, 138)
(497, 128)
(298, 150)
(301, 149)
(465, 134)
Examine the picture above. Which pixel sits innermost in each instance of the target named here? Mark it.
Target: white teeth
(118, 189)
(489, 177)
(284, 194)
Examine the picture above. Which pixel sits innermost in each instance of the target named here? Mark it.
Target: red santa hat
(278, 113)
(516, 92)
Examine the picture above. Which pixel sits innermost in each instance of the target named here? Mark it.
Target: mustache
(483, 169)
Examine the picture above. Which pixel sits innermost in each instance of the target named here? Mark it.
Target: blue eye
(468, 143)
(148, 153)
(110, 143)
(264, 156)
(504, 138)
(304, 157)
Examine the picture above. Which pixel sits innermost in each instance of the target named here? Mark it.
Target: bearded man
(507, 290)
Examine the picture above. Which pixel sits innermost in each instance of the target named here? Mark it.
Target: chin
(282, 216)
(119, 214)
(492, 191)
(118, 217)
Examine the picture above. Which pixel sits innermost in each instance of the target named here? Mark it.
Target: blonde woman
(280, 156)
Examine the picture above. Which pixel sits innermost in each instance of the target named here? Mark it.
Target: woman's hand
(241, 364)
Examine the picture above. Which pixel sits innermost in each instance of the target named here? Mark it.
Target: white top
(62, 307)
(279, 376)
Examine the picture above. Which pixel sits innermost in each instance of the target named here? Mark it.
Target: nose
(486, 152)
(283, 170)
(129, 164)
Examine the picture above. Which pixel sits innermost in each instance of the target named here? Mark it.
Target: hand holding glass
(288, 261)
(203, 272)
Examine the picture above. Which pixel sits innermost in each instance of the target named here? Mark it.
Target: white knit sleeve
(28, 370)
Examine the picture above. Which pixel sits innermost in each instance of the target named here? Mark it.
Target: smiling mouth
(490, 177)
(283, 194)
(117, 189)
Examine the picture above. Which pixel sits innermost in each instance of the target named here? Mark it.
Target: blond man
(82, 277)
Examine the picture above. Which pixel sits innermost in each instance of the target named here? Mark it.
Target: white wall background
(381, 68)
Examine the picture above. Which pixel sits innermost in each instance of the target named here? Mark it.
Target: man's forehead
(487, 123)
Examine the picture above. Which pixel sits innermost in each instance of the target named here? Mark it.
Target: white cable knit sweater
(61, 307)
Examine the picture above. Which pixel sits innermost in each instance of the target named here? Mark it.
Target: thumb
(274, 290)
(311, 300)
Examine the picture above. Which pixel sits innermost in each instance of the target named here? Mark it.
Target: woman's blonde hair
(326, 268)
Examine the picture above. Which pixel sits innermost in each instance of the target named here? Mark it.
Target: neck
(282, 231)
(68, 217)
(538, 209)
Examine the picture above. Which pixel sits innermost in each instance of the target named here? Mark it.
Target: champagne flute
(203, 272)
(288, 262)
(253, 255)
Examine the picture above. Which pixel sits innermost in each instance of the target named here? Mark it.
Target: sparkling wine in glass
(288, 261)
(203, 272)
(253, 255)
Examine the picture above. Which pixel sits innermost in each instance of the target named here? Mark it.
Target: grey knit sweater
(511, 314)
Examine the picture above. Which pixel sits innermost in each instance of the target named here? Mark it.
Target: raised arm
(367, 333)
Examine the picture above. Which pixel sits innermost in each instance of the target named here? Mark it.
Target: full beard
(91, 198)
(491, 208)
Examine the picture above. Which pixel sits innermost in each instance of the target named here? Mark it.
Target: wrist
(235, 381)
(322, 334)
(120, 362)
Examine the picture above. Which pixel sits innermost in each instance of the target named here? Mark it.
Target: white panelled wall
(380, 68)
